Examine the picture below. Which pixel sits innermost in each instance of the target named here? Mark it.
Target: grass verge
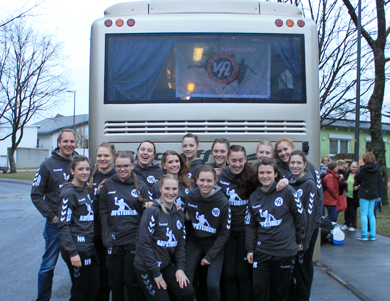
(21, 175)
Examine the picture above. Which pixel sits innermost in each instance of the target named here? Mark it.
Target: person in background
(368, 178)
(331, 184)
(173, 164)
(190, 146)
(103, 170)
(145, 170)
(324, 165)
(350, 214)
(76, 231)
(51, 175)
(264, 150)
(342, 201)
(219, 150)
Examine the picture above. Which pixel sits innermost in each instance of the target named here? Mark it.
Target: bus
(245, 70)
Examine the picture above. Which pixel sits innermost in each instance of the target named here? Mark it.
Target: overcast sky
(71, 20)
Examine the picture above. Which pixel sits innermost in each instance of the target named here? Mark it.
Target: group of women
(159, 232)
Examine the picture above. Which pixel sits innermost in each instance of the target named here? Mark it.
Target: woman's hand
(300, 247)
(218, 171)
(282, 184)
(178, 207)
(356, 188)
(100, 186)
(148, 204)
(76, 261)
(181, 278)
(249, 256)
(204, 262)
(161, 282)
(188, 216)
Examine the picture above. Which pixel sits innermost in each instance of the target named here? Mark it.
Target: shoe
(362, 238)
(344, 228)
(372, 238)
(352, 229)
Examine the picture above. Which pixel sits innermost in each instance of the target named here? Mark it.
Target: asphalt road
(22, 245)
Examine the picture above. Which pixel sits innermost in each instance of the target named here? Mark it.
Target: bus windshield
(204, 68)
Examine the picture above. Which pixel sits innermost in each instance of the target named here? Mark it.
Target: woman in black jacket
(368, 178)
(274, 232)
(122, 200)
(208, 215)
(160, 254)
(76, 231)
(103, 170)
(305, 187)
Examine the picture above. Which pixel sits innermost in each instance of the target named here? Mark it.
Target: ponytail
(139, 198)
(90, 184)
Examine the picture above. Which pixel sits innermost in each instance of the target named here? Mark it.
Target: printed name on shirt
(112, 192)
(89, 217)
(163, 224)
(192, 205)
(234, 199)
(224, 183)
(80, 238)
(270, 220)
(124, 208)
(58, 169)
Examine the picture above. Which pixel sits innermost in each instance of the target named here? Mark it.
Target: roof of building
(51, 125)
(365, 125)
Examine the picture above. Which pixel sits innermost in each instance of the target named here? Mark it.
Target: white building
(49, 129)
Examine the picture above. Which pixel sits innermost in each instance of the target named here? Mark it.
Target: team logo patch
(222, 68)
(150, 179)
(300, 192)
(187, 191)
(135, 193)
(179, 225)
(216, 212)
(278, 202)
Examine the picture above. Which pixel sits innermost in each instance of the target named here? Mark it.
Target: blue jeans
(49, 261)
(332, 212)
(367, 210)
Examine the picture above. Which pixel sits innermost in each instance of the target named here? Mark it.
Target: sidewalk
(361, 266)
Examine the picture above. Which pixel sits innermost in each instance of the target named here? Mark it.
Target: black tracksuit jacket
(284, 169)
(120, 211)
(181, 197)
(97, 179)
(149, 174)
(210, 220)
(229, 184)
(194, 166)
(53, 173)
(368, 178)
(161, 237)
(275, 222)
(307, 192)
(75, 219)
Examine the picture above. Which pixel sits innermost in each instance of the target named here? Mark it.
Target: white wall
(29, 139)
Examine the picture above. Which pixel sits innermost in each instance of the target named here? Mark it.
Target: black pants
(271, 277)
(350, 214)
(85, 280)
(237, 272)
(121, 274)
(151, 291)
(104, 291)
(194, 254)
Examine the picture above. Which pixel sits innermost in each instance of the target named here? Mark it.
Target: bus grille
(203, 127)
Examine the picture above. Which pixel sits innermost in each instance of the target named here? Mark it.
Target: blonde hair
(265, 143)
(162, 180)
(111, 147)
(286, 140)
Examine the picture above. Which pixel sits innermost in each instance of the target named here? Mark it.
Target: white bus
(240, 69)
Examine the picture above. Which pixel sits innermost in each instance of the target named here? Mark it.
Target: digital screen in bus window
(204, 68)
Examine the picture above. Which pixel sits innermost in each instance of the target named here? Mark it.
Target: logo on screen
(222, 68)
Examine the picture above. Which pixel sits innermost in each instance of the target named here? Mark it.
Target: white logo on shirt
(278, 202)
(89, 216)
(300, 192)
(187, 191)
(216, 212)
(135, 193)
(171, 242)
(179, 225)
(270, 220)
(150, 179)
(203, 224)
(234, 199)
(124, 208)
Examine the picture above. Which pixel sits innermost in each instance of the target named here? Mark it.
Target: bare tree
(31, 78)
(21, 13)
(337, 60)
(376, 35)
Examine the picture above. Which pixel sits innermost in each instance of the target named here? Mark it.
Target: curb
(347, 285)
(17, 181)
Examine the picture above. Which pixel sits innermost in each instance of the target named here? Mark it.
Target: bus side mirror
(305, 147)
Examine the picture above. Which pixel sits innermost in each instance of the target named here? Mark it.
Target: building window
(338, 146)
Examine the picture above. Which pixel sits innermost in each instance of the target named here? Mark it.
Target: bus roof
(252, 7)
